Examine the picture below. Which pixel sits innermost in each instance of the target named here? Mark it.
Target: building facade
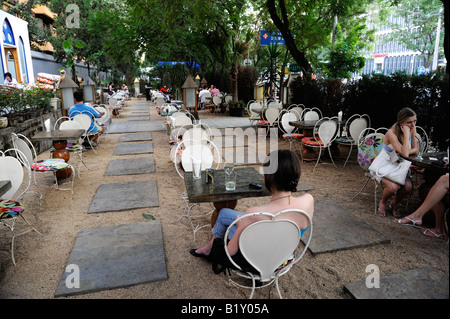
(15, 49)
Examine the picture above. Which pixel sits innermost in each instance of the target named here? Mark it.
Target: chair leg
(318, 159)
(278, 288)
(364, 186)
(349, 153)
(331, 156)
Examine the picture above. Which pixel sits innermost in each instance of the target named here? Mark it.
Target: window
(23, 61)
(8, 36)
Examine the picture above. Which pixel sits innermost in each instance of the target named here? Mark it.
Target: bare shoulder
(306, 201)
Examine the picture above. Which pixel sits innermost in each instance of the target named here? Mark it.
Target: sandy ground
(41, 260)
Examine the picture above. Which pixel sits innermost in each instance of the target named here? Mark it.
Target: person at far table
(436, 200)
(400, 138)
(81, 107)
(201, 96)
(111, 88)
(280, 184)
(10, 81)
(163, 89)
(214, 91)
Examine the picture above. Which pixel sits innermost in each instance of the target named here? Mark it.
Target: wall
(29, 128)
(46, 63)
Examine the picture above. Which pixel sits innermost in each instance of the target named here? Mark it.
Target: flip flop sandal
(381, 212)
(412, 222)
(440, 236)
(395, 213)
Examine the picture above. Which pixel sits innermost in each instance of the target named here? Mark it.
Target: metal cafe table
(59, 140)
(198, 191)
(433, 163)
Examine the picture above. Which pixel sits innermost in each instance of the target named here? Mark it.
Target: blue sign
(189, 65)
(268, 38)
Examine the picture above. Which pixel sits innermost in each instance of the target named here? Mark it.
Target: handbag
(390, 166)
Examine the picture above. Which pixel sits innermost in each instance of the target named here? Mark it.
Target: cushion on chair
(345, 140)
(311, 141)
(293, 136)
(75, 147)
(71, 147)
(52, 164)
(9, 208)
(368, 150)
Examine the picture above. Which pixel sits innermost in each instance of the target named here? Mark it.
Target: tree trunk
(234, 81)
(283, 27)
(446, 34)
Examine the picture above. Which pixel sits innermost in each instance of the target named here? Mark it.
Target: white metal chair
(86, 118)
(325, 132)
(217, 102)
(271, 115)
(254, 110)
(76, 147)
(353, 126)
(290, 133)
(272, 246)
(297, 109)
(10, 208)
(423, 140)
(114, 106)
(208, 153)
(28, 156)
(370, 143)
(311, 114)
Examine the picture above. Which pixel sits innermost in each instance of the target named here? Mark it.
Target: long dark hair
(402, 116)
(287, 173)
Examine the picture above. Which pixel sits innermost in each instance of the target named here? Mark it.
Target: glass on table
(196, 167)
(228, 167)
(230, 181)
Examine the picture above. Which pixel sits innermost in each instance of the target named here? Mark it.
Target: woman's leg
(226, 218)
(402, 192)
(433, 200)
(390, 188)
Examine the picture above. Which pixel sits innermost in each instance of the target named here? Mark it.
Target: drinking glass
(228, 168)
(230, 181)
(196, 168)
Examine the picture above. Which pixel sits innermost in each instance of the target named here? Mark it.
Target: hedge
(381, 97)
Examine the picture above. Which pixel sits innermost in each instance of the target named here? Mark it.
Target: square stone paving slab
(139, 118)
(137, 137)
(131, 166)
(135, 126)
(114, 257)
(335, 228)
(133, 149)
(421, 283)
(125, 196)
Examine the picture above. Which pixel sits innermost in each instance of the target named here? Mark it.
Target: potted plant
(236, 108)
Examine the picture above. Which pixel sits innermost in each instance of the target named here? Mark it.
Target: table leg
(61, 152)
(218, 206)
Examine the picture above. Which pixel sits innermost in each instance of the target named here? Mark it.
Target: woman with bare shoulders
(281, 184)
(401, 138)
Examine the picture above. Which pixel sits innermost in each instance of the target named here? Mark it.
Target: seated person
(400, 139)
(281, 184)
(10, 81)
(201, 96)
(80, 107)
(111, 88)
(214, 91)
(433, 201)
